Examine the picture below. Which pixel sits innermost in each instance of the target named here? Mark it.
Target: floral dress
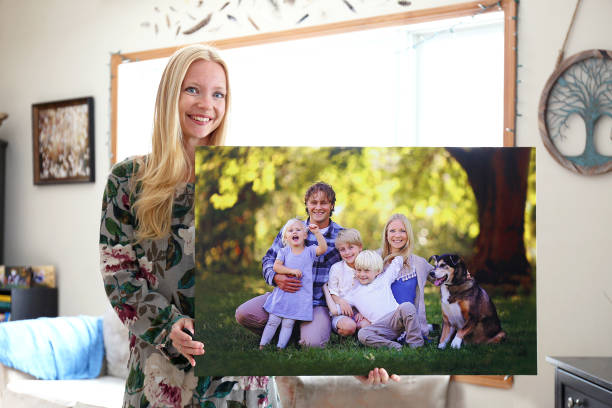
(151, 285)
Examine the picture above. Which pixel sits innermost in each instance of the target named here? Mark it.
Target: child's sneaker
(402, 338)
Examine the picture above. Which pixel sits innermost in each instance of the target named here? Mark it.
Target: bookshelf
(28, 303)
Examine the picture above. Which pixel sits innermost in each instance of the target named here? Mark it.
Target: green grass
(233, 350)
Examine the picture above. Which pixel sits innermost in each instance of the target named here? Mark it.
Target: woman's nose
(204, 101)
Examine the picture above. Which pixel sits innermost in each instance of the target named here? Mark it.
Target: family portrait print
(336, 260)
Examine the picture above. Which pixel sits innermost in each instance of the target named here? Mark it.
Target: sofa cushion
(98, 392)
(54, 348)
(346, 391)
(116, 344)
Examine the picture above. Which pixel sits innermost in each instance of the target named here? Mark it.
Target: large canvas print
(336, 260)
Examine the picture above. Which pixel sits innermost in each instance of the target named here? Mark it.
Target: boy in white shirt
(374, 300)
(341, 281)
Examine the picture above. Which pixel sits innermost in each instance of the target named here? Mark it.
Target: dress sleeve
(267, 262)
(130, 280)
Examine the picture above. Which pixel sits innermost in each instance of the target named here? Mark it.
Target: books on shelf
(5, 316)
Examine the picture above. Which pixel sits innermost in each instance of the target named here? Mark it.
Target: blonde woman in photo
(398, 240)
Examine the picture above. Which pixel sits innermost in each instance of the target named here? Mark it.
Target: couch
(21, 390)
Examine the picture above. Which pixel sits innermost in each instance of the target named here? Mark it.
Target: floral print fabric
(151, 285)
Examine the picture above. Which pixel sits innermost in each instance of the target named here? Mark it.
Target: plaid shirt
(320, 267)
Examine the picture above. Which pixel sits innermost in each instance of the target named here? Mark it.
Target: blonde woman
(398, 240)
(147, 242)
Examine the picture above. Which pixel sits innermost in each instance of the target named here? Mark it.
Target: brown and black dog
(466, 307)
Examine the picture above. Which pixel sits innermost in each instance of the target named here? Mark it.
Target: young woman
(398, 239)
(147, 242)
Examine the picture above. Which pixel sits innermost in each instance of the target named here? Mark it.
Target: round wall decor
(575, 113)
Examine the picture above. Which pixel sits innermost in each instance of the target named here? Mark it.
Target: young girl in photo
(295, 259)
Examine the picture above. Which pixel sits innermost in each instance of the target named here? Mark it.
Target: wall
(61, 49)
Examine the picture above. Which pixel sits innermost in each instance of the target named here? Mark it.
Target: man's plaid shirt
(320, 267)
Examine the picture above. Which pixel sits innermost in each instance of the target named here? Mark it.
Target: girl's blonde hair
(369, 260)
(287, 224)
(169, 164)
(406, 251)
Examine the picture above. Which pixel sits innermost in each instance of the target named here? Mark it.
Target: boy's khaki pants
(385, 331)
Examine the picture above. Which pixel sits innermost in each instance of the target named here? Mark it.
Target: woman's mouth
(201, 120)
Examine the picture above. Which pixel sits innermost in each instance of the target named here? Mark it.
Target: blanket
(58, 348)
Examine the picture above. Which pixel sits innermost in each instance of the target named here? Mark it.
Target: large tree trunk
(499, 180)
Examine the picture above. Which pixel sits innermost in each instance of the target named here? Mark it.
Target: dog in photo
(467, 309)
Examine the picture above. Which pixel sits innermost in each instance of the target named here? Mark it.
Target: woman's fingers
(181, 336)
(377, 376)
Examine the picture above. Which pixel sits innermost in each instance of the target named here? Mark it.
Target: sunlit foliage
(245, 194)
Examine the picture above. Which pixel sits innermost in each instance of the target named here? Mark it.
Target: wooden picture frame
(63, 141)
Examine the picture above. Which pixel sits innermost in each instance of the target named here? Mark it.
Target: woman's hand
(183, 342)
(377, 376)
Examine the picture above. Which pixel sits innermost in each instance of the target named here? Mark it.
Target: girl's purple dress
(296, 305)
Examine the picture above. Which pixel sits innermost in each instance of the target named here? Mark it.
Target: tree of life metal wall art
(575, 113)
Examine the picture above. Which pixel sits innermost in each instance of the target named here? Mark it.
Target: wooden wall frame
(509, 7)
(496, 381)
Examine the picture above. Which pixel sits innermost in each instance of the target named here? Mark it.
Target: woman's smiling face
(397, 236)
(202, 101)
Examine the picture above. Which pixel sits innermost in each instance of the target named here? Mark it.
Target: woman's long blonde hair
(406, 251)
(169, 164)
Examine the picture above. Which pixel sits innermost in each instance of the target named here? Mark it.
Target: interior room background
(61, 49)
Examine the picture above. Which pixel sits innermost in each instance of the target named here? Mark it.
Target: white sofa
(20, 390)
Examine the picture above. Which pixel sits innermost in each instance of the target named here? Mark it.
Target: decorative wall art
(575, 113)
(189, 17)
(458, 200)
(63, 141)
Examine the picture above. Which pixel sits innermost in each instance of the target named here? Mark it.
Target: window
(434, 83)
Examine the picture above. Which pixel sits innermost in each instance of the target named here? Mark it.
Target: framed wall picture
(63, 141)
